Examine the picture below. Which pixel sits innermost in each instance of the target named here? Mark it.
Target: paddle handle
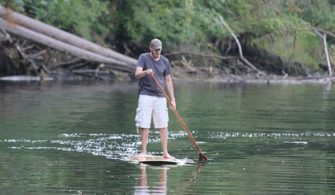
(180, 120)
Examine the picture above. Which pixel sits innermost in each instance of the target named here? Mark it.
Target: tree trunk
(327, 55)
(53, 43)
(63, 36)
(325, 47)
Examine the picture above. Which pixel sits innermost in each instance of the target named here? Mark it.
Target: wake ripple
(276, 135)
(121, 146)
(110, 146)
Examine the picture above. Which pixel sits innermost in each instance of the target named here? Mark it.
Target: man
(151, 103)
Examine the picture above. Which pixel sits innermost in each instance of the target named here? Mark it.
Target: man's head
(156, 44)
(156, 48)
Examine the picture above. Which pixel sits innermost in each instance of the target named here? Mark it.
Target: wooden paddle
(202, 157)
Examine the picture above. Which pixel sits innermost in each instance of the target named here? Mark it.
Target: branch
(68, 63)
(222, 21)
(35, 55)
(20, 52)
(318, 30)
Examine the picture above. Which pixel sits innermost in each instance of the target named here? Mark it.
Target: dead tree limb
(222, 21)
(35, 55)
(68, 63)
(323, 31)
(28, 63)
(323, 35)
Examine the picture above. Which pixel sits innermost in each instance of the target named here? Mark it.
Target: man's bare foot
(168, 156)
(142, 156)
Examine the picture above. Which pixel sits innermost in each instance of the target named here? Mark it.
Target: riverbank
(207, 74)
(189, 74)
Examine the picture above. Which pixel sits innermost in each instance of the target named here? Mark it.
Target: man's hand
(140, 73)
(149, 72)
(173, 105)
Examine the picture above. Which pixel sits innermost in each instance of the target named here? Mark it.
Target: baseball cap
(156, 44)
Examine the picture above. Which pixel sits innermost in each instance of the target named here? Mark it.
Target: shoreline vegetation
(223, 41)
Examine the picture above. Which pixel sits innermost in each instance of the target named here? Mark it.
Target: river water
(73, 138)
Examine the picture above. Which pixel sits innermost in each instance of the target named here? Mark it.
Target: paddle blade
(202, 157)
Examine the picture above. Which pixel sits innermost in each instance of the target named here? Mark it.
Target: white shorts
(151, 107)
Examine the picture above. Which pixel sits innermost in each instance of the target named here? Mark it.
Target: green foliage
(79, 17)
(318, 13)
(153, 19)
(303, 47)
(290, 37)
(282, 27)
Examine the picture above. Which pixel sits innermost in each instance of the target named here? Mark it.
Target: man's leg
(144, 140)
(164, 141)
(163, 134)
(143, 120)
(161, 119)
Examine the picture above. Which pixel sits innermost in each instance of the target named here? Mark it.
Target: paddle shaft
(180, 120)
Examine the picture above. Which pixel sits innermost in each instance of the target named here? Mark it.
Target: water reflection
(186, 187)
(155, 188)
(151, 182)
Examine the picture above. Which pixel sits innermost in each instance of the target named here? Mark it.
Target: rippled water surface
(70, 138)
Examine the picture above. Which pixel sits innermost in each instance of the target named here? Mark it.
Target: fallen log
(65, 47)
(63, 36)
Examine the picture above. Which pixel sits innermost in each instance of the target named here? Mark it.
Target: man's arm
(139, 72)
(169, 85)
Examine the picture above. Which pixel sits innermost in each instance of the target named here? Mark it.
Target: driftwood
(222, 21)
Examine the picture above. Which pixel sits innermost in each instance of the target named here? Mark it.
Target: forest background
(281, 37)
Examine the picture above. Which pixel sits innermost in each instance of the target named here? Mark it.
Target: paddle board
(153, 160)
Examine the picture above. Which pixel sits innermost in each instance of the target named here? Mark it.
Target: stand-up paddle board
(153, 160)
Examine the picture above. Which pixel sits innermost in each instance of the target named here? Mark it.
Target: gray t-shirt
(161, 68)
